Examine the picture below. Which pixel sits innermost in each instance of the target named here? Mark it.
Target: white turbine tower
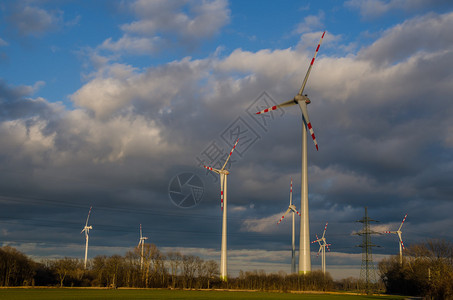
(292, 208)
(322, 248)
(302, 101)
(142, 243)
(223, 204)
(399, 232)
(87, 231)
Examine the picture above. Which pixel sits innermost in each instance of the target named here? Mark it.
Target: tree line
(427, 270)
(154, 270)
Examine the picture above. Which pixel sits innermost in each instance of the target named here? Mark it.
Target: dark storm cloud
(383, 130)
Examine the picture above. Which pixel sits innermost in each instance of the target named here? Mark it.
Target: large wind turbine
(292, 208)
(223, 204)
(322, 248)
(87, 230)
(141, 242)
(302, 101)
(399, 232)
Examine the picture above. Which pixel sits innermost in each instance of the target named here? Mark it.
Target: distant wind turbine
(322, 248)
(302, 101)
(291, 208)
(141, 242)
(87, 230)
(399, 232)
(223, 204)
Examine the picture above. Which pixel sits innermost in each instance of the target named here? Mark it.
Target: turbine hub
(304, 98)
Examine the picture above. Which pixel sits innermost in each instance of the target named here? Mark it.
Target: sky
(118, 104)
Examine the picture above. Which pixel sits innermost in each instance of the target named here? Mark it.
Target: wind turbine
(399, 232)
(223, 204)
(322, 248)
(87, 230)
(302, 101)
(291, 208)
(141, 242)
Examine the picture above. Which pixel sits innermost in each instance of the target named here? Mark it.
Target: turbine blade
(140, 231)
(311, 65)
(320, 247)
(284, 104)
(211, 169)
(291, 193)
(303, 107)
(89, 212)
(287, 211)
(231, 152)
(222, 183)
(325, 227)
(317, 239)
(402, 222)
(327, 245)
(402, 244)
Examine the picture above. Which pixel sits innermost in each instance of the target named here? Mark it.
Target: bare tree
(64, 268)
(174, 259)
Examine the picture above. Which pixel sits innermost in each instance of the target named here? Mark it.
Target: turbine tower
(302, 101)
(223, 204)
(322, 248)
(87, 230)
(291, 208)
(399, 232)
(141, 242)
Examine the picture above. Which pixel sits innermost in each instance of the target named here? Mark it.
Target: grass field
(68, 293)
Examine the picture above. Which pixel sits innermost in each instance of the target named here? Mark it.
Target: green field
(69, 293)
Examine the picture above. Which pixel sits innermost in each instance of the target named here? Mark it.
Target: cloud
(31, 20)
(311, 23)
(427, 34)
(163, 24)
(382, 123)
(3, 43)
(376, 8)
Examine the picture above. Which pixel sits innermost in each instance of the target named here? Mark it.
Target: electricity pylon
(367, 271)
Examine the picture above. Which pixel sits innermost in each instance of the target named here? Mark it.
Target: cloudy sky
(117, 104)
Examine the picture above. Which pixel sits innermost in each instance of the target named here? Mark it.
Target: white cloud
(164, 24)
(376, 8)
(311, 23)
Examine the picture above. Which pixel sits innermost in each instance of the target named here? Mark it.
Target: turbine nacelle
(302, 98)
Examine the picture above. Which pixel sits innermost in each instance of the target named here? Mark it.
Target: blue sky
(103, 103)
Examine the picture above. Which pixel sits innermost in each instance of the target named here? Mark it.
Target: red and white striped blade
(303, 107)
(291, 193)
(222, 186)
(325, 228)
(281, 219)
(327, 245)
(402, 244)
(284, 104)
(211, 169)
(317, 239)
(231, 152)
(402, 222)
(311, 65)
